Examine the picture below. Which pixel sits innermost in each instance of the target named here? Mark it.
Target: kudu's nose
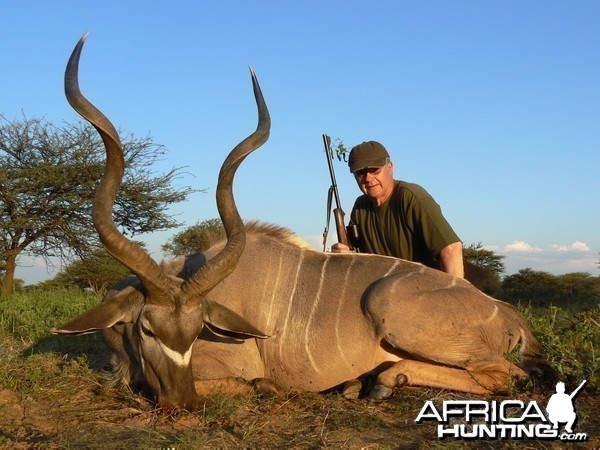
(189, 404)
(180, 393)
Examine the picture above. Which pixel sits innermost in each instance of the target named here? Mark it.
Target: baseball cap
(366, 155)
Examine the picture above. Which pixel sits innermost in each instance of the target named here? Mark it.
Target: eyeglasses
(359, 174)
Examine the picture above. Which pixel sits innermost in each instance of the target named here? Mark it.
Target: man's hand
(340, 248)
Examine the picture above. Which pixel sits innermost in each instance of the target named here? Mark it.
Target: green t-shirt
(409, 225)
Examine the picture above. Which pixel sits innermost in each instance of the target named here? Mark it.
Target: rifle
(346, 235)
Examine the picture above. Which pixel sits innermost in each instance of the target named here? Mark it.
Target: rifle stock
(340, 227)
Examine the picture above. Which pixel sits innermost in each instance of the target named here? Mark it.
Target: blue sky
(493, 107)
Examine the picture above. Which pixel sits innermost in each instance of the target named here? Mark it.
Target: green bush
(30, 315)
(570, 342)
(575, 292)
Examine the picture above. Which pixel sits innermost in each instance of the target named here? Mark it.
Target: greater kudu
(328, 319)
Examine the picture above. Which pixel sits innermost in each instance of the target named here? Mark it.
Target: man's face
(376, 182)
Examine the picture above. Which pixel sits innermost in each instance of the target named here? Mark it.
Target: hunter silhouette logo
(560, 407)
(507, 419)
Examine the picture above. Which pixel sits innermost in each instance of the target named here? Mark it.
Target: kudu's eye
(147, 331)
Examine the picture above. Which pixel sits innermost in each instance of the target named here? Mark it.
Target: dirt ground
(67, 402)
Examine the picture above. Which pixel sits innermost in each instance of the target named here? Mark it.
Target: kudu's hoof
(401, 380)
(380, 392)
(352, 389)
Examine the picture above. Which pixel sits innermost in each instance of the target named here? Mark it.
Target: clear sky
(492, 106)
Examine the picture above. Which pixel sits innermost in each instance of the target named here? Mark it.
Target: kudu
(328, 320)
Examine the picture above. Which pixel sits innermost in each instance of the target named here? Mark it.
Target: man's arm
(451, 259)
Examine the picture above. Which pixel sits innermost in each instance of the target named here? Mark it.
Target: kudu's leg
(230, 366)
(481, 378)
(448, 333)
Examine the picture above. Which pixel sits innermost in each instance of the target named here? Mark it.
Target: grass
(30, 315)
(54, 393)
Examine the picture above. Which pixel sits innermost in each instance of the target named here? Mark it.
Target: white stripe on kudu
(310, 318)
(338, 314)
(392, 268)
(275, 291)
(290, 303)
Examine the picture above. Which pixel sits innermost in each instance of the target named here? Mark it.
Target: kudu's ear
(224, 322)
(124, 306)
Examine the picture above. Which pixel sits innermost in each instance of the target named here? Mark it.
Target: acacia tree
(485, 259)
(48, 176)
(196, 238)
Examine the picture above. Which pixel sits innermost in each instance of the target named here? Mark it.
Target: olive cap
(366, 155)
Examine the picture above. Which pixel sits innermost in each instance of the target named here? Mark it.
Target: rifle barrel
(329, 154)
